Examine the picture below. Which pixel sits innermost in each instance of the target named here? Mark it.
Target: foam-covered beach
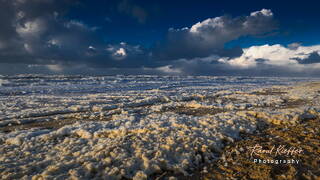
(138, 127)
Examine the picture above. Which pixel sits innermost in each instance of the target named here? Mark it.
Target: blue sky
(160, 37)
(297, 20)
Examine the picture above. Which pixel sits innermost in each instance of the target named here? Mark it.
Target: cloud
(264, 60)
(55, 67)
(120, 53)
(169, 69)
(36, 37)
(34, 32)
(209, 36)
(37, 33)
(125, 52)
(31, 29)
(313, 58)
(263, 12)
(276, 55)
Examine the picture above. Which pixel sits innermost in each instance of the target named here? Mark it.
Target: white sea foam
(128, 126)
(2, 81)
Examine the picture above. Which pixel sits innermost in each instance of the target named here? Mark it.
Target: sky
(161, 37)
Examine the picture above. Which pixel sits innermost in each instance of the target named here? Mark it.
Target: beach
(153, 127)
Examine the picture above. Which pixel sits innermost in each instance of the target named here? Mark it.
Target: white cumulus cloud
(120, 53)
(209, 36)
(276, 55)
(263, 12)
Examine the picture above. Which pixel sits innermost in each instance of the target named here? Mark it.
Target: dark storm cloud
(36, 32)
(313, 57)
(33, 31)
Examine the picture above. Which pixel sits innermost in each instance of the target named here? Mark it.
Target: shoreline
(242, 118)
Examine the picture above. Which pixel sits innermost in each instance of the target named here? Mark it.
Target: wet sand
(238, 161)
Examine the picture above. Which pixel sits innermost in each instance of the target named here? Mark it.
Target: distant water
(58, 84)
